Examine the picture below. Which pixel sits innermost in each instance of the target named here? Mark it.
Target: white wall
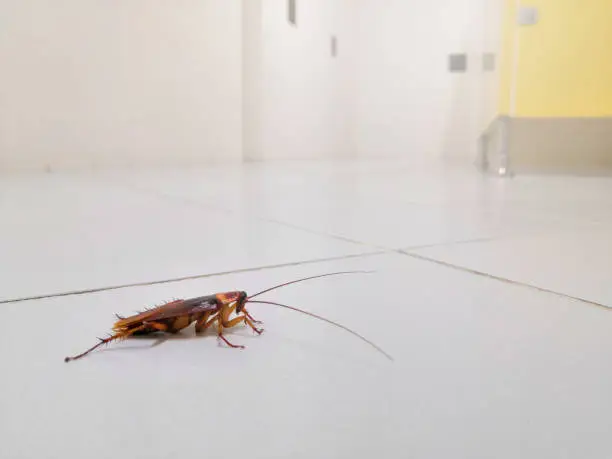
(407, 103)
(113, 82)
(252, 79)
(492, 42)
(303, 108)
(110, 82)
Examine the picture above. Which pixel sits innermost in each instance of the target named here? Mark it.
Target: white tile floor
(483, 368)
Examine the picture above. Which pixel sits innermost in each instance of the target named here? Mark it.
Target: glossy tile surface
(576, 263)
(70, 233)
(482, 369)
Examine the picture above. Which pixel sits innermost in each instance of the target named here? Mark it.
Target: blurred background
(461, 149)
(98, 84)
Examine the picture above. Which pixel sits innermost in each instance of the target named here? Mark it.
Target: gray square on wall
(457, 62)
(291, 12)
(528, 15)
(488, 62)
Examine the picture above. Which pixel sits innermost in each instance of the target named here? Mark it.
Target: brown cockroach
(206, 311)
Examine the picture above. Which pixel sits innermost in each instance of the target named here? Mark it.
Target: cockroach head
(240, 302)
(231, 298)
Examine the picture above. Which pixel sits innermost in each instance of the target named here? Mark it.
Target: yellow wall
(564, 62)
(507, 56)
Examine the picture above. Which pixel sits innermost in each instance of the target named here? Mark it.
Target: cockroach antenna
(305, 279)
(336, 324)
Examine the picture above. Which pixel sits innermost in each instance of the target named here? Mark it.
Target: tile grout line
(197, 203)
(379, 251)
(187, 278)
(448, 244)
(500, 279)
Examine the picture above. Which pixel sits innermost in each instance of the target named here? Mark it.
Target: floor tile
(576, 263)
(386, 205)
(481, 369)
(70, 233)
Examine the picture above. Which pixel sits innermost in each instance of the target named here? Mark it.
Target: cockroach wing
(169, 311)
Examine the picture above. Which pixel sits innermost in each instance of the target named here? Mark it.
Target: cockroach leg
(120, 335)
(250, 323)
(220, 327)
(251, 317)
(237, 320)
(235, 346)
(105, 341)
(203, 323)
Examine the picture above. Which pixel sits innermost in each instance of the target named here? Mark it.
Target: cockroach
(207, 311)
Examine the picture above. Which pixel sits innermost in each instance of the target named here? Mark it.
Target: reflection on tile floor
(482, 368)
